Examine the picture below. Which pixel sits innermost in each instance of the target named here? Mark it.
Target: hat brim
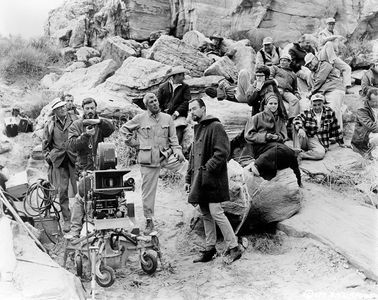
(63, 103)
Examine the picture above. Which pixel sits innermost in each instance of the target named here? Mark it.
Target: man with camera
(84, 135)
(60, 158)
(158, 148)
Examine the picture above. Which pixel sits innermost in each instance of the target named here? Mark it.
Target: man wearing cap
(174, 96)
(158, 148)
(370, 79)
(287, 85)
(314, 128)
(59, 156)
(326, 80)
(84, 135)
(328, 47)
(269, 54)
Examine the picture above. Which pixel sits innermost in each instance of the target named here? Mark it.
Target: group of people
(70, 141)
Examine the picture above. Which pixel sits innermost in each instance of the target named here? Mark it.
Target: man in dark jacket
(207, 181)
(83, 137)
(370, 79)
(59, 157)
(174, 96)
(365, 135)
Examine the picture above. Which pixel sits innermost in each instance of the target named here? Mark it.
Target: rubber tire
(150, 257)
(110, 277)
(79, 266)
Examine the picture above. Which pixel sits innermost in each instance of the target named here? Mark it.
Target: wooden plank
(348, 227)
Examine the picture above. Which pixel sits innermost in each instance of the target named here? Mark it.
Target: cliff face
(284, 20)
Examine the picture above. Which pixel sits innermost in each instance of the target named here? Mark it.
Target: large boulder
(195, 39)
(223, 67)
(243, 54)
(172, 51)
(199, 84)
(85, 53)
(77, 38)
(119, 49)
(86, 77)
(137, 76)
(49, 79)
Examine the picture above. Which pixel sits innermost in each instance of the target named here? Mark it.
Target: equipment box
(17, 185)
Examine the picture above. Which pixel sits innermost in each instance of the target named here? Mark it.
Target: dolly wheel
(108, 277)
(79, 265)
(150, 263)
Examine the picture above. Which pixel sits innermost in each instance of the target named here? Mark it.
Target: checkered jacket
(328, 126)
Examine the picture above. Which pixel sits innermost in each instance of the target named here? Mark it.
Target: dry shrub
(266, 243)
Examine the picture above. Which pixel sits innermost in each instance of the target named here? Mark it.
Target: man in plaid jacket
(314, 128)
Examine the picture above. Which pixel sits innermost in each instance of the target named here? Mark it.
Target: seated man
(328, 49)
(269, 54)
(327, 81)
(365, 135)
(314, 128)
(370, 79)
(287, 85)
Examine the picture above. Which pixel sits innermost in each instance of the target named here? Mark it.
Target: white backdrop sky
(25, 17)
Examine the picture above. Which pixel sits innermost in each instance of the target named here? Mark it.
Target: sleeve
(160, 96)
(295, 84)
(77, 140)
(172, 137)
(46, 148)
(322, 38)
(321, 76)
(273, 72)
(335, 129)
(221, 148)
(188, 176)
(184, 106)
(127, 129)
(106, 127)
(282, 132)
(252, 133)
(365, 83)
(364, 118)
(294, 60)
(259, 59)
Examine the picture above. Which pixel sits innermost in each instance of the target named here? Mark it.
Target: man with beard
(84, 135)
(314, 128)
(158, 148)
(326, 80)
(60, 158)
(206, 181)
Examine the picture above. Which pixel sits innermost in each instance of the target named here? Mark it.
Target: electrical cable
(40, 199)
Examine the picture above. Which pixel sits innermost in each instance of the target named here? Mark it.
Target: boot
(149, 227)
(235, 254)
(206, 255)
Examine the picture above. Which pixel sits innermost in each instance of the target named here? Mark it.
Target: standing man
(328, 48)
(83, 137)
(269, 54)
(314, 128)
(174, 96)
(326, 80)
(71, 108)
(60, 158)
(158, 141)
(207, 181)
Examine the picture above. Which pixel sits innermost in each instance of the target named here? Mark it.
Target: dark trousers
(66, 174)
(180, 133)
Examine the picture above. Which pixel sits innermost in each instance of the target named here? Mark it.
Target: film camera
(105, 190)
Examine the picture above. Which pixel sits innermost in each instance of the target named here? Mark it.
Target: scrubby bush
(26, 58)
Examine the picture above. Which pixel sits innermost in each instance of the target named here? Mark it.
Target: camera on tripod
(107, 191)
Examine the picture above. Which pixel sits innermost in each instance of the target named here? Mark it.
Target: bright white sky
(25, 17)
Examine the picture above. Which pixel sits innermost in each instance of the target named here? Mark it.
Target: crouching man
(314, 128)
(207, 181)
(158, 148)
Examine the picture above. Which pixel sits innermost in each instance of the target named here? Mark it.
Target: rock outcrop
(223, 67)
(172, 51)
(119, 49)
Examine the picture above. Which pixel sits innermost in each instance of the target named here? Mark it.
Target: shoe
(67, 226)
(206, 255)
(235, 254)
(72, 235)
(149, 227)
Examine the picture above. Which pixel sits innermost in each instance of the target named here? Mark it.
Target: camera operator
(159, 147)
(83, 137)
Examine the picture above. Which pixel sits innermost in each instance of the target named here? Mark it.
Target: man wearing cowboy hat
(326, 80)
(313, 129)
(158, 148)
(328, 48)
(269, 54)
(174, 96)
(58, 155)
